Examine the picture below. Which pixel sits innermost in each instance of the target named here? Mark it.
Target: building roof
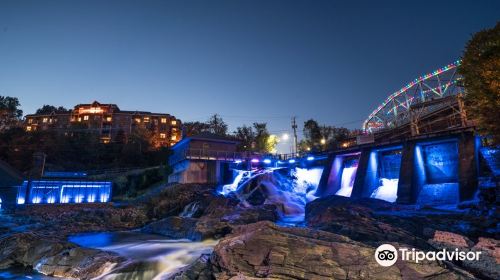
(97, 104)
(207, 136)
(143, 113)
(115, 108)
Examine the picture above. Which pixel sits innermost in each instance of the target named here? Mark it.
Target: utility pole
(294, 127)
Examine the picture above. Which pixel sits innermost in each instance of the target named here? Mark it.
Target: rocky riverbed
(337, 240)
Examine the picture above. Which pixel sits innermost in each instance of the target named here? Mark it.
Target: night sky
(249, 61)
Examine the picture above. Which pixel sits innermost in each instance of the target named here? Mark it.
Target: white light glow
(388, 190)
(347, 181)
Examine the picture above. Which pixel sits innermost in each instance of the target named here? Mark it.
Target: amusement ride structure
(422, 96)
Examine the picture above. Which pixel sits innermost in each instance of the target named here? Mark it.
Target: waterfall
(289, 189)
(150, 256)
(190, 209)
(388, 190)
(242, 177)
(347, 181)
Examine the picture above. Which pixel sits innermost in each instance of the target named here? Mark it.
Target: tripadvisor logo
(387, 255)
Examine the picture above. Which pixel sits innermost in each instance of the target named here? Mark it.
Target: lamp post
(323, 143)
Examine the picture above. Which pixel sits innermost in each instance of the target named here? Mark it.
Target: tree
(10, 114)
(193, 128)
(322, 137)
(312, 131)
(264, 141)
(256, 138)
(246, 135)
(480, 70)
(216, 125)
(48, 109)
(312, 136)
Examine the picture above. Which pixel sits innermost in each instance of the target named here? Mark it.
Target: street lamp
(285, 136)
(323, 141)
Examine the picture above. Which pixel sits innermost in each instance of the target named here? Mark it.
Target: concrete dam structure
(425, 170)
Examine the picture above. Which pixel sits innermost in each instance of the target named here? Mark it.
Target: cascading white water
(347, 181)
(242, 177)
(190, 209)
(160, 257)
(388, 190)
(307, 181)
(290, 189)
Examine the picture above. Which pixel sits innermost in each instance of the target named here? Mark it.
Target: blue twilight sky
(249, 61)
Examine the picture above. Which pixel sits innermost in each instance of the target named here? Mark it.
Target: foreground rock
(264, 250)
(68, 219)
(488, 265)
(218, 217)
(54, 258)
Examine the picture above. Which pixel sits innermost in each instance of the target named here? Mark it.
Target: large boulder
(173, 199)
(74, 218)
(356, 219)
(218, 218)
(54, 258)
(265, 250)
(199, 270)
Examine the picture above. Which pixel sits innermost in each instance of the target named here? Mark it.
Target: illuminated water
(151, 256)
(59, 191)
(190, 209)
(23, 273)
(388, 190)
(289, 189)
(242, 177)
(347, 181)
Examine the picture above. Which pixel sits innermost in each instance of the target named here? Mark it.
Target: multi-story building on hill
(109, 122)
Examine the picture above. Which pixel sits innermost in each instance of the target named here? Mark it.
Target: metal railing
(202, 154)
(214, 155)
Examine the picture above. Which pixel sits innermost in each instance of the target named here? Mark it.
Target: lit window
(174, 137)
(28, 128)
(108, 119)
(146, 119)
(91, 110)
(85, 118)
(163, 135)
(44, 120)
(174, 122)
(163, 120)
(137, 120)
(30, 120)
(79, 119)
